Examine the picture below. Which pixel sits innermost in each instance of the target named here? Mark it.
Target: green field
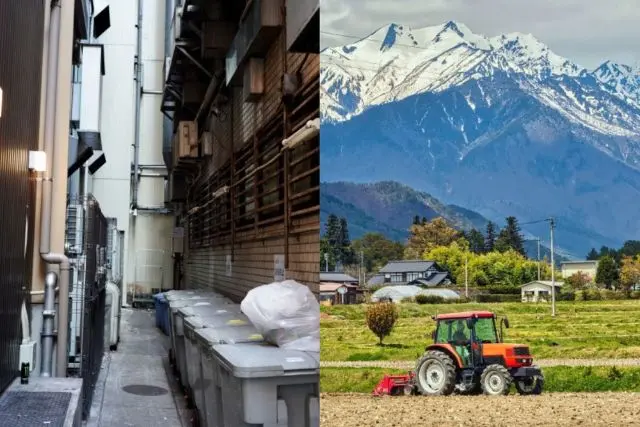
(557, 379)
(580, 330)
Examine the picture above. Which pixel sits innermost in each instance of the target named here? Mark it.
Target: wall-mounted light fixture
(1, 96)
(37, 161)
(304, 134)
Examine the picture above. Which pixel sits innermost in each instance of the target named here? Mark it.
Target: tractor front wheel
(435, 374)
(530, 386)
(496, 380)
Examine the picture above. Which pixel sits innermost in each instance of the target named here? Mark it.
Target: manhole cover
(145, 390)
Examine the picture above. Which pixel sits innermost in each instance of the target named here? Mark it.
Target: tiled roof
(336, 277)
(406, 266)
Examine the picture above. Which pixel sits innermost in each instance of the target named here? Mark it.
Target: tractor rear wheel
(530, 386)
(435, 374)
(496, 380)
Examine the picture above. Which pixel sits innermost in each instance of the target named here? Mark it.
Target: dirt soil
(552, 409)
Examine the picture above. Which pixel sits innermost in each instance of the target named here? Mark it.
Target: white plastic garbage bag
(287, 314)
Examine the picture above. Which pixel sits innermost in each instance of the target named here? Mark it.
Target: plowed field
(552, 409)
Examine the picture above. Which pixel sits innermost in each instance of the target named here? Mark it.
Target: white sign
(342, 290)
(229, 266)
(278, 268)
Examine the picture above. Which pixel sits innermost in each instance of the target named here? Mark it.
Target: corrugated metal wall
(21, 30)
(249, 224)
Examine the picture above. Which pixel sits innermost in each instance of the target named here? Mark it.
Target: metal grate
(21, 24)
(88, 299)
(27, 409)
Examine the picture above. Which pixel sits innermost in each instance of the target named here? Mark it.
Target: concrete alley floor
(136, 387)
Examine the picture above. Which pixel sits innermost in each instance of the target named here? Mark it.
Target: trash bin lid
(159, 297)
(214, 308)
(177, 304)
(225, 319)
(208, 337)
(190, 294)
(260, 361)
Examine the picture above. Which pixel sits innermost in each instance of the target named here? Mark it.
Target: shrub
(380, 318)
(430, 299)
(502, 290)
(497, 298)
(566, 296)
(608, 294)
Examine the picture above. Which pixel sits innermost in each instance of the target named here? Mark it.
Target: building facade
(569, 268)
(241, 97)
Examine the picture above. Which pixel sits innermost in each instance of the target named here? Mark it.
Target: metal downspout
(136, 137)
(47, 256)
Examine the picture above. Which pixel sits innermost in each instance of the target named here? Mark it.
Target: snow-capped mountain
(500, 125)
(396, 62)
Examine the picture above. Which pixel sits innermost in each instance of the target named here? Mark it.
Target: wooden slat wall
(249, 222)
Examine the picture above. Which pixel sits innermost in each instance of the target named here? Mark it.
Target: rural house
(336, 277)
(340, 293)
(539, 290)
(569, 268)
(339, 288)
(415, 272)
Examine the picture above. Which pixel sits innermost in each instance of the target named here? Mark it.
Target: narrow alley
(136, 387)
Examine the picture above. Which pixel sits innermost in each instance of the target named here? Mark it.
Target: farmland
(560, 409)
(580, 330)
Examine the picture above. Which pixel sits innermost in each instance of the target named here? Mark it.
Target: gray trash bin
(253, 376)
(194, 318)
(175, 324)
(205, 384)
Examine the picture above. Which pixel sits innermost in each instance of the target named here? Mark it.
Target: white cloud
(587, 32)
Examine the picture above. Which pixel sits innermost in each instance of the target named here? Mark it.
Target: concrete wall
(112, 184)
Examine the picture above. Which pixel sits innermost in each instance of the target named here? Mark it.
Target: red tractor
(468, 356)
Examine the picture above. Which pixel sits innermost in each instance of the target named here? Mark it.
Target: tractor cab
(468, 333)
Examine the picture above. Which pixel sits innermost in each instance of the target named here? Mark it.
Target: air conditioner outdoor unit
(75, 230)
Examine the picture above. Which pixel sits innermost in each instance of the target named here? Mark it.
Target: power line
(367, 39)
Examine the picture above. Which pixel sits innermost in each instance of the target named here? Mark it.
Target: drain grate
(145, 390)
(25, 409)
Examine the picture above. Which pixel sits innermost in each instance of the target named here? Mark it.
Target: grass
(557, 379)
(580, 330)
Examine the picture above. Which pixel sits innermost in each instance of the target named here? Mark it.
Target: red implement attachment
(395, 385)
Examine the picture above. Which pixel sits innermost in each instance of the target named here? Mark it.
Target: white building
(539, 290)
(145, 221)
(569, 268)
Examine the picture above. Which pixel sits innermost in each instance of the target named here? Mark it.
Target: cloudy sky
(586, 31)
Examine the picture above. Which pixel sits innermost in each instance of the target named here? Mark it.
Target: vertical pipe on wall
(48, 184)
(48, 323)
(138, 94)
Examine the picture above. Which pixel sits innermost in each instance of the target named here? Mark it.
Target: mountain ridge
(520, 132)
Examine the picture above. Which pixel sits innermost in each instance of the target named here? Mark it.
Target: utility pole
(326, 262)
(364, 276)
(553, 271)
(538, 239)
(466, 274)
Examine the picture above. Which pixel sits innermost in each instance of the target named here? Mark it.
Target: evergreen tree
(607, 273)
(510, 237)
(476, 241)
(490, 237)
(347, 255)
(593, 255)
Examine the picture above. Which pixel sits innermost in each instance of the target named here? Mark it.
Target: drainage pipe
(49, 314)
(51, 99)
(136, 137)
